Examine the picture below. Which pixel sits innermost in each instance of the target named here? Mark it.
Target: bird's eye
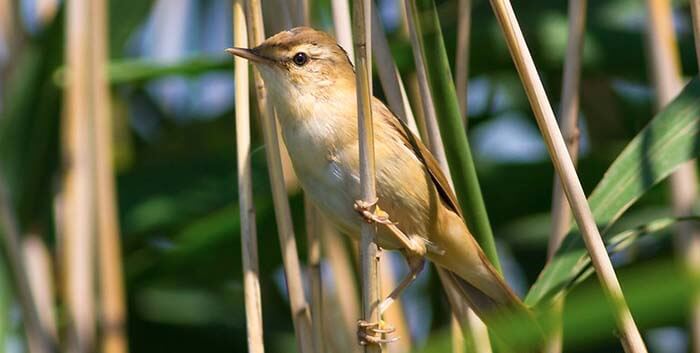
(300, 59)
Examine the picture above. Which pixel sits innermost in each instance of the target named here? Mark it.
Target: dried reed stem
(290, 257)
(79, 208)
(464, 21)
(342, 27)
(314, 267)
(561, 212)
(249, 237)
(346, 307)
(629, 334)
(39, 339)
(39, 268)
(369, 252)
(663, 50)
(434, 140)
(112, 307)
(389, 75)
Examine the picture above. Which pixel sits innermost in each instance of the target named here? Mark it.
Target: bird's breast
(324, 164)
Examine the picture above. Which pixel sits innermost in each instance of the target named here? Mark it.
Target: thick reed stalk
(464, 23)
(629, 334)
(39, 338)
(112, 307)
(561, 212)
(78, 181)
(290, 257)
(663, 50)
(369, 252)
(249, 237)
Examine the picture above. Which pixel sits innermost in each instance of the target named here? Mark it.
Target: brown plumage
(312, 86)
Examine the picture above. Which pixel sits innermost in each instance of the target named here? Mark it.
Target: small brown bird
(311, 83)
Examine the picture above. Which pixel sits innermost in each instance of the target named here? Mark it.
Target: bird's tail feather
(491, 309)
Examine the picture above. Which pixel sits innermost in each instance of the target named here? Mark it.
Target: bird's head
(301, 62)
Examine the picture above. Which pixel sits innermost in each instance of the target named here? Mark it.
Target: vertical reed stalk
(249, 237)
(479, 333)
(457, 336)
(112, 307)
(464, 23)
(78, 181)
(629, 334)
(302, 13)
(342, 27)
(344, 297)
(434, 140)
(561, 212)
(663, 50)
(369, 252)
(314, 266)
(38, 338)
(39, 267)
(389, 74)
(290, 257)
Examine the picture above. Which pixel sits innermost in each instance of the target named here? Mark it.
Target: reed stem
(629, 334)
(78, 240)
(369, 252)
(112, 303)
(249, 237)
(561, 212)
(666, 69)
(38, 338)
(464, 22)
(290, 257)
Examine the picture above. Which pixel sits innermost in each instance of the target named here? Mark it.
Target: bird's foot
(374, 332)
(377, 216)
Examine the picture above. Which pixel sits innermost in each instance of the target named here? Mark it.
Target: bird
(310, 81)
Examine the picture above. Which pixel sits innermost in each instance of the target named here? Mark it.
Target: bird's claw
(378, 216)
(374, 332)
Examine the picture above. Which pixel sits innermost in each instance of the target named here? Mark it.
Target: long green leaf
(457, 150)
(670, 139)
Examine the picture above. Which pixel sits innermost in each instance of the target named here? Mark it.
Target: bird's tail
(498, 309)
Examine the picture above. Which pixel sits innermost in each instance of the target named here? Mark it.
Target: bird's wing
(421, 151)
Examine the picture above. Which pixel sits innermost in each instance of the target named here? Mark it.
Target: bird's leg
(415, 246)
(414, 249)
(416, 265)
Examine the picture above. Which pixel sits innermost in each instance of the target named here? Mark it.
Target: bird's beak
(248, 54)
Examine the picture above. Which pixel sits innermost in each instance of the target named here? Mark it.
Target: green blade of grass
(670, 139)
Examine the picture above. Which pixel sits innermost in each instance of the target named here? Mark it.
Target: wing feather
(380, 111)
